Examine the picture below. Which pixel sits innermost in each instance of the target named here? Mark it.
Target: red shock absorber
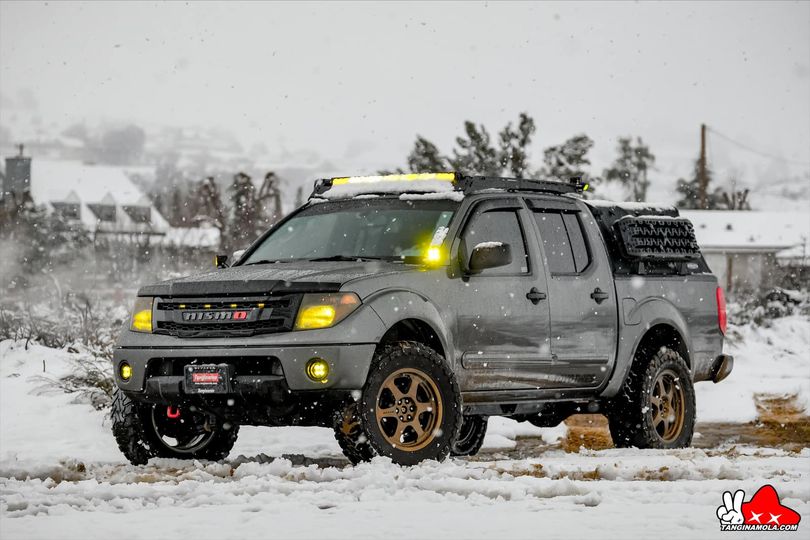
(173, 412)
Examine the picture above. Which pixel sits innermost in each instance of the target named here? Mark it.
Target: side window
(574, 228)
(563, 242)
(498, 226)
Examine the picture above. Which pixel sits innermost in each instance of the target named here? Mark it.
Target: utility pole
(703, 179)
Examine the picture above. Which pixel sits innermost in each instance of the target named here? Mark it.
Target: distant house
(746, 249)
(101, 199)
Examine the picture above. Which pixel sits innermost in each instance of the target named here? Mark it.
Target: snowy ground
(62, 476)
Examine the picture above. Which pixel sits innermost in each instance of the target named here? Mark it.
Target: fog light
(318, 369)
(126, 371)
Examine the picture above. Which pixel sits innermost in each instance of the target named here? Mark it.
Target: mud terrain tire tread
(412, 354)
(354, 445)
(628, 414)
(471, 444)
(138, 441)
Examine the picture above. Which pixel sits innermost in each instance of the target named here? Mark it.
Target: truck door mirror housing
(489, 255)
(221, 261)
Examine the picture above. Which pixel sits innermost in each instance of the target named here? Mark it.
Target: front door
(503, 320)
(581, 295)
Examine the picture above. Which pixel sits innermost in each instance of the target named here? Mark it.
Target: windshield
(380, 228)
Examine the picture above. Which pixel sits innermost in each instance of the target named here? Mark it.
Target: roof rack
(471, 184)
(464, 183)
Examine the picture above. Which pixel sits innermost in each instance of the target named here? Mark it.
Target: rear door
(503, 335)
(581, 294)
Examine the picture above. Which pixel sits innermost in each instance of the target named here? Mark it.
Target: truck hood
(268, 278)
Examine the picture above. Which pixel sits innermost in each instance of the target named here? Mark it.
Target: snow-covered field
(61, 475)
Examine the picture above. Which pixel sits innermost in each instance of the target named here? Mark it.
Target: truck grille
(226, 317)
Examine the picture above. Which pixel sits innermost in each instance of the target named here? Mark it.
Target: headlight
(142, 315)
(325, 310)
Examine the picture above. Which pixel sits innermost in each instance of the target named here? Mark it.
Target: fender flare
(650, 312)
(396, 305)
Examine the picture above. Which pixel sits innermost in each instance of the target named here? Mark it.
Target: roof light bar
(410, 177)
(461, 182)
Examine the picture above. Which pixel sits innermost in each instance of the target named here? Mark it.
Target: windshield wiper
(266, 261)
(347, 258)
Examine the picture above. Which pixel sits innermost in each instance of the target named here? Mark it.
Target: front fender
(395, 305)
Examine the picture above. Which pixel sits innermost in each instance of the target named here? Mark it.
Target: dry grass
(587, 431)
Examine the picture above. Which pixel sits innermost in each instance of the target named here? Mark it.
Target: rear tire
(411, 404)
(471, 436)
(656, 406)
(136, 428)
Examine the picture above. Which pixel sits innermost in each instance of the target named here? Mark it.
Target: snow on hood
(274, 277)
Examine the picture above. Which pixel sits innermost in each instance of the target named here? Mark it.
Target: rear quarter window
(563, 242)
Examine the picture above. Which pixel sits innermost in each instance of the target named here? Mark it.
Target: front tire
(411, 404)
(144, 431)
(656, 406)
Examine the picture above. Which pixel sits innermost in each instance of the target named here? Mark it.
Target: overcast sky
(356, 82)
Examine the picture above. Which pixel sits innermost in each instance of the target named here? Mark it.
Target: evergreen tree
(631, 166)
(568, 159)
(426, 157)
(475, 153)
(689, 191)
(514, 144)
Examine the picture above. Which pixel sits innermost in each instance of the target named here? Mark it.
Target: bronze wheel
(408, 409)
(667, 403)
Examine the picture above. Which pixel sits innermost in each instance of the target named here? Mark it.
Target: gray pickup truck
(404, 310)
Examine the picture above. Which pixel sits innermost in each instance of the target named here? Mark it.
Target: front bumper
(349, 365)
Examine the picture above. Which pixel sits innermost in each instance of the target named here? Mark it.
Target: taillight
(722, 318)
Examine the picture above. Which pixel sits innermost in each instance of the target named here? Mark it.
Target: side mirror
(236, 255)
(220, 261)
(490, 255)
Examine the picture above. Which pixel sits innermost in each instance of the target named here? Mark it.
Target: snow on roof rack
(464, 183)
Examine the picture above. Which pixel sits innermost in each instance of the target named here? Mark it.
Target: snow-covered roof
(200, 237)
(632, 206)
(55, 181)
(749, 231)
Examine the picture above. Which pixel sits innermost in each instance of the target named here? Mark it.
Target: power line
(755, 151)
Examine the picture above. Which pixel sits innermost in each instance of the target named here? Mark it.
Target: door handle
(599, 295)
(535, 296)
